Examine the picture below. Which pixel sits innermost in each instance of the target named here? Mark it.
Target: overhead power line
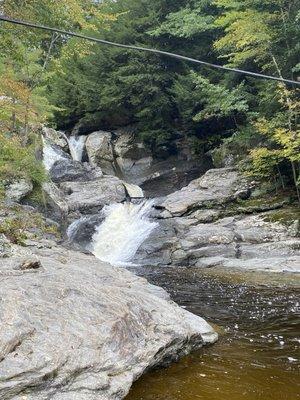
(149, 50)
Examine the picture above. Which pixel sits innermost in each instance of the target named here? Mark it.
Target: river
(257, 355)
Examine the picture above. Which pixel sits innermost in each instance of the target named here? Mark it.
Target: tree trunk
(295, 180)
(280, 177)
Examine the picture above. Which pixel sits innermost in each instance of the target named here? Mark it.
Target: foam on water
(76, 146)
(50, 155)
(74, 227)
(123, 231)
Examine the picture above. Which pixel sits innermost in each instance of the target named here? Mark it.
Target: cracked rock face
(100, 151)
(76, 328)
(216, 187)
(197, 228)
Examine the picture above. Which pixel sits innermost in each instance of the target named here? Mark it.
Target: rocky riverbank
(76, 327)
(73, 327)
(221, 220)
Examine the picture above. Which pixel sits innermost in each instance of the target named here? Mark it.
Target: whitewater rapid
(76, 146)
(125, 228)
(51, 154)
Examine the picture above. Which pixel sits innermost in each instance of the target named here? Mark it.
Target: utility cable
(149, 50)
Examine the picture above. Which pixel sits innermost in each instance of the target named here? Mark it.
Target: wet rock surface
(75, 328)
(81, 231)
(120, 154)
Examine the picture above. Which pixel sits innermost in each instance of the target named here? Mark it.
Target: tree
(265, 35)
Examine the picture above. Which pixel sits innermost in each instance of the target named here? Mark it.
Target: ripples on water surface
(257, 355)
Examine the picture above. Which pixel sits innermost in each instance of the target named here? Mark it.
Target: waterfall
(76, 146)
(50, 154)
(125, 228)
(73, 228)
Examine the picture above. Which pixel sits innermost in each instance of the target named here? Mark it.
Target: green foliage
(48, 77)
(21, 224)
(189, 21)
(248, 35)
(18, 161)
(14, 230)
(235, 148)
(219, 101)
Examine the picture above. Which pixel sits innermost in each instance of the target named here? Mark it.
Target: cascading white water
(50, 155)
(76, 146)
(73, 228)
(124, 229)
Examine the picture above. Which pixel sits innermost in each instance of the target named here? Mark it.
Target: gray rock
(271, 264)
(56, 137)
(248, 241)
(294, 229)
(216, 187)
(135, 171)
(133, 191)
(127, 147)
(158, 248)
(5, 246)
(17, 190)
(254, 229)
(287, 248)
(81, 231)
(205, 216)
(206, 234)
(229, 250)
(100, 151)
(82, 329)
(67, 170)
(209, 262)
(93, 195)
(124, 155)
(165, 177)
(55, 199)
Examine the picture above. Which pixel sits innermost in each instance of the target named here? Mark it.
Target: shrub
(18, 161)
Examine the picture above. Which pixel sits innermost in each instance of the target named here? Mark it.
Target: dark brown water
(257, 356)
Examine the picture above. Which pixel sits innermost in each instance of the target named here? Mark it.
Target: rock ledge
(77, 328)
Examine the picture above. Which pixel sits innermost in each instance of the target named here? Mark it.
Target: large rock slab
(212, 223)
(73, 328)
(127, 146)
(55, 199)
(67, 170)
(214, 188)
(249, 242)
(70, 170)
(92, 195)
